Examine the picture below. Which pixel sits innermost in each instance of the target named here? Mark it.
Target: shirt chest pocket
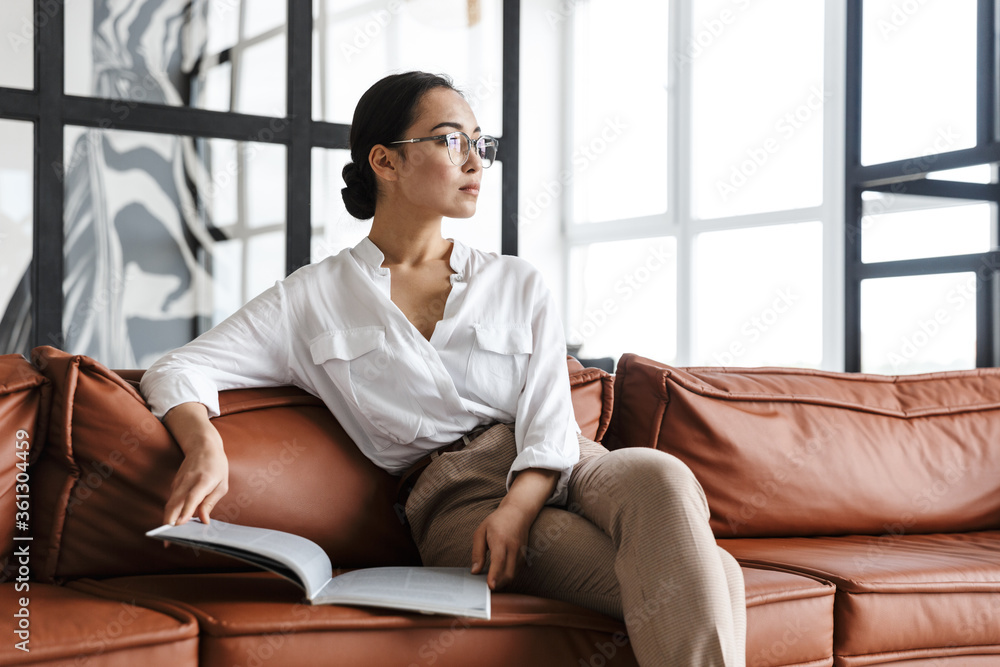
(363, 367)
(498, 363)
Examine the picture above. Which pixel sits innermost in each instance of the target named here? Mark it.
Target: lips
(471, 188)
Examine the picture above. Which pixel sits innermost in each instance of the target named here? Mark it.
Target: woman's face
(428, 181)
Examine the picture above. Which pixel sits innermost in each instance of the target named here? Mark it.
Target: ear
(384, 162)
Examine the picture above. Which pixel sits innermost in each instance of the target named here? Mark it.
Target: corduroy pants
(633, 541)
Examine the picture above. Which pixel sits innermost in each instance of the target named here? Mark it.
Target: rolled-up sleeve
(545, 426)
(248, 349)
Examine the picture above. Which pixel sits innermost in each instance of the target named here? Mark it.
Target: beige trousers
(633, 541)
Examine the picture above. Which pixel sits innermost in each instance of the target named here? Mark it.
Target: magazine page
(441, 590)
(288, 555)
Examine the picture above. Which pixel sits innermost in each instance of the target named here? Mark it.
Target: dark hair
(383, 113)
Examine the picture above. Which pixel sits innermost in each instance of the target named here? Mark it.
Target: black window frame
(51, 110)
(908, 177)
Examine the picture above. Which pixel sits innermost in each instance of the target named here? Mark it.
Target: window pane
(918, 324)
(16, 238)
(889, 233)
(918, 79)
(758, 296)
(623, 298)
(262, 74)
(618, 163)
(260, 16)
(981, 173)
(333, 227)
(265, 261)
(17, 65)
(178, 53)
(758, 101)
(265, 170)
(148, 264)
(223, 26)
(363, 41)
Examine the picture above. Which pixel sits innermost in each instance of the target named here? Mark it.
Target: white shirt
(331, 328)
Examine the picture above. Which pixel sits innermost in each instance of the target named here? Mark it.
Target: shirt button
(458, 277)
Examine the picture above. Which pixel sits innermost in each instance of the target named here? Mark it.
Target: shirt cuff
(557, 458)
(165, 393)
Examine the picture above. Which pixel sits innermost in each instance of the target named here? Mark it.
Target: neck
(406, 239)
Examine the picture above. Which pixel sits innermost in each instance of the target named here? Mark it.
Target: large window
(921, 153)
(184, 156)
(702, 134)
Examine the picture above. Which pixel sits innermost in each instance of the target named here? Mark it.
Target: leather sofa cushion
(786, 452)
(593, 393)
(899, 596)
(291, 467)
(790, 622)
(22, 389)
(69, 627)
(789, 618)
(260, 616)
(107, 467)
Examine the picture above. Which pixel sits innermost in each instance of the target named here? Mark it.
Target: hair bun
(358, 196)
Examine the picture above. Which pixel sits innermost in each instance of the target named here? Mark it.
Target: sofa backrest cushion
(593, 393)
(106, 470)
(22, 393)
(790, 452)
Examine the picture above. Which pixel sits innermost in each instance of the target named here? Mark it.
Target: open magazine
(432, 590)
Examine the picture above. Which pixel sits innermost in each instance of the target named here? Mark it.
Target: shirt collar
(459, 258)
(368, 253)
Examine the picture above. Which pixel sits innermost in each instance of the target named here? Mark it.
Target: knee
(657, 475)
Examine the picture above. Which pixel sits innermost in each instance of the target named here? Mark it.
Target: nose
(474, 163)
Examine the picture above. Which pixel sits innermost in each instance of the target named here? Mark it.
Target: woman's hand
(505, 534)
(505, 531)
(203, 478)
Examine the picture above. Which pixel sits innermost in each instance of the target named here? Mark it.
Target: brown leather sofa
(864, 511)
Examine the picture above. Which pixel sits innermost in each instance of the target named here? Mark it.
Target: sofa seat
(245, 617)
(789, 619)
(257, 617)
(69, 627)
(901, 599)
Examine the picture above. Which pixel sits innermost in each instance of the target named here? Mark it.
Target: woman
(420, 345)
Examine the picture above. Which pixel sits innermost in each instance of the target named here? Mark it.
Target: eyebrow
(457, 126)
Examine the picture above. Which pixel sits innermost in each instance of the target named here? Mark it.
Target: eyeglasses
(460, 145)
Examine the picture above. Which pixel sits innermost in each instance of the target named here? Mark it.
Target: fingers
(206, 506)
(478, 549)
(198, 498)
(503, 566)
(497, 567)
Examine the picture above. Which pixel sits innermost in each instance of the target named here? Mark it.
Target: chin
(462, 212)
